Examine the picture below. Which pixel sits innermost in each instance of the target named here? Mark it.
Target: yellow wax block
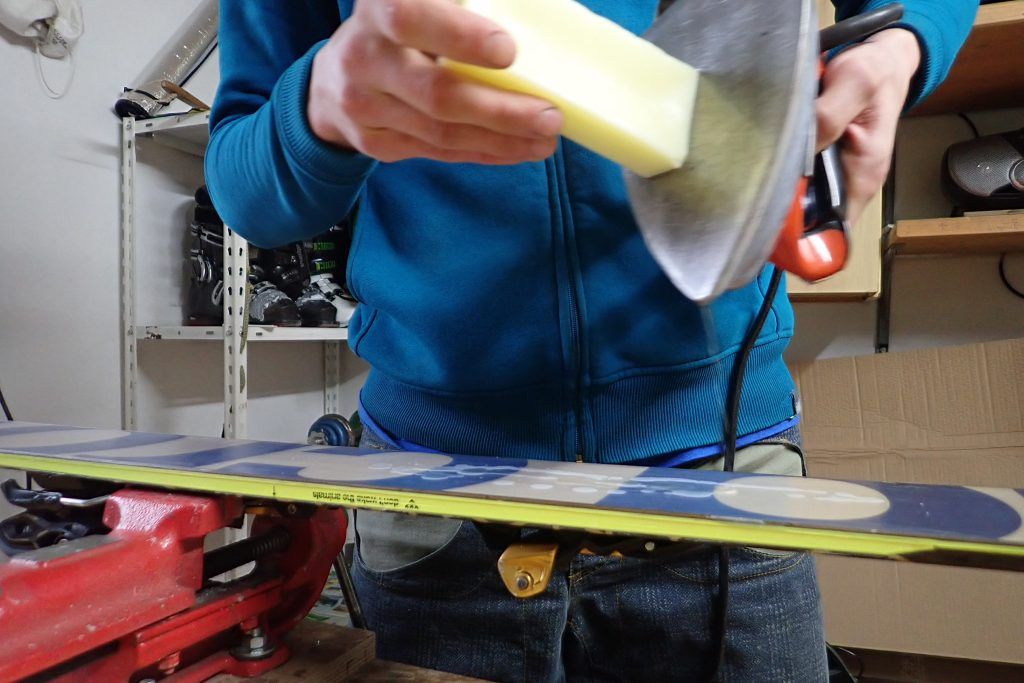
(622, 97)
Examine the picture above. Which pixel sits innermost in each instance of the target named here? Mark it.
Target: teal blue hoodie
(509, 311)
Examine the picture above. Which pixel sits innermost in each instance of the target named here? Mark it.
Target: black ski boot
(293, 268)
(324, 299)
(285, 267)
(205, 302)
(323, 304)
(269, 305)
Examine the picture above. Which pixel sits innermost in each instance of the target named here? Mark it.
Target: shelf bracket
(883, 317)
(236, 352)
(883, 310)
(129, 344)
(332, 377)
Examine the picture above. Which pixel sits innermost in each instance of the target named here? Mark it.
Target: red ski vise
(139, 602)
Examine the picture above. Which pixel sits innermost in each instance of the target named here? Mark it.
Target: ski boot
(322, 254)
(285, 267)
(205, 302)
(268, 305)
(204, 211)
(327, 255)
(325, 268)
(323, 304)
(304, 271)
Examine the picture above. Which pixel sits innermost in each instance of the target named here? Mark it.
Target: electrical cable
(50, 91)
(10, 418)
(6, 408)
(740, 368)
(1006, 281)
(970, 122)
(732, 415)
(348, 590)
(854, 655)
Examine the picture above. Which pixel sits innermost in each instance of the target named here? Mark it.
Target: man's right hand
(377, 88)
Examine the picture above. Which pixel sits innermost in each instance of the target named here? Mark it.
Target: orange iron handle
(814, 242)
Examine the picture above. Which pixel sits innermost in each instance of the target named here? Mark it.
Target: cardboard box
(939, 416)
(894, 667)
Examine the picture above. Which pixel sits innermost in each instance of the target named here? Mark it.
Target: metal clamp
(526, 568)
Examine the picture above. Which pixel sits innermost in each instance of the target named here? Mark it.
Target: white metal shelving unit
(189, 133)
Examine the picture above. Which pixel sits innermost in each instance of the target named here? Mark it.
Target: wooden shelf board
(989, 73)
(832, 297)
(973, 235)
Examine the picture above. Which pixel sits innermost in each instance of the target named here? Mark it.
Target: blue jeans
(605, 619)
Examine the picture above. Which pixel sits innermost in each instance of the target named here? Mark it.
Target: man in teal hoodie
(508, 307)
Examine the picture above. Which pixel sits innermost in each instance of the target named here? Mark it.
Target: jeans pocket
(789, 440)
(745, 563)
(749, 563)
(771, 552)
(453, 570)
(374, 441)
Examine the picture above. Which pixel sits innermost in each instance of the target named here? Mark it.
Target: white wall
(59, 339)
(59, 218)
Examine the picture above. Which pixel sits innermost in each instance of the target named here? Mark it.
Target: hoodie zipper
(574, 338)
(572, 297)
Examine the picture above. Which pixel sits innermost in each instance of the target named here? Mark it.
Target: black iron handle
(860, 27)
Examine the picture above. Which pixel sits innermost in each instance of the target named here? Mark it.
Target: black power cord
(348, 590)
(841, 668)
(10, 418)
(970, 122)
(1006, 281)
(732, 415)
(7, 410)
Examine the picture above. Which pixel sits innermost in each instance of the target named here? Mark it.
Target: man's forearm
(941, 27)
(271, 178)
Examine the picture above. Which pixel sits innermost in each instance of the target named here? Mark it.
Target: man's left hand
(864, 90)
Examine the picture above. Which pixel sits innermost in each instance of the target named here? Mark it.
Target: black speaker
(987, 173)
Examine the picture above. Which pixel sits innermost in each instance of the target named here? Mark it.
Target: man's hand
(864, 91)
(376, 87)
